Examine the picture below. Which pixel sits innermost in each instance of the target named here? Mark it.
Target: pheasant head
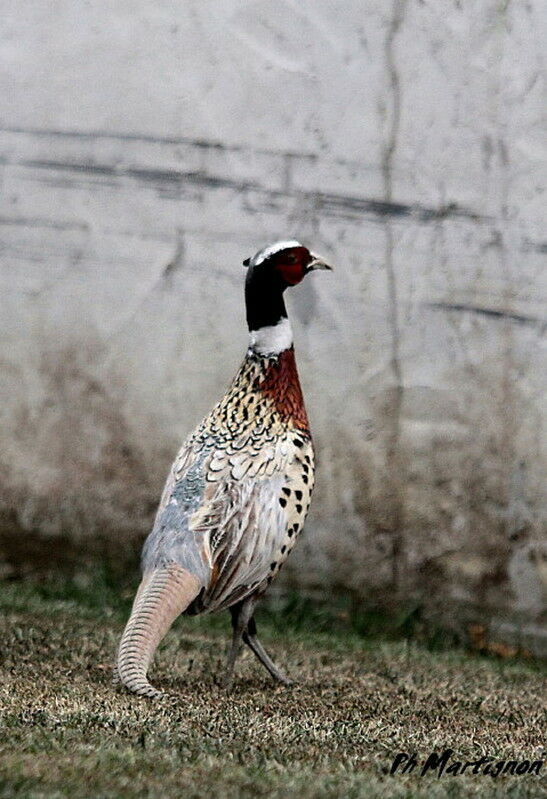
(270, 272)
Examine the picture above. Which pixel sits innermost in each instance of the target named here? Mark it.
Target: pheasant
(239, 489)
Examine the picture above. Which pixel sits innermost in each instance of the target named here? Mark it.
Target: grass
(65, 731)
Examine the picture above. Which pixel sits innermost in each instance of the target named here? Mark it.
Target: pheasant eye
(291, 258)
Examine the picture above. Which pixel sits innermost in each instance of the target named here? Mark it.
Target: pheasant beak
(318, 262)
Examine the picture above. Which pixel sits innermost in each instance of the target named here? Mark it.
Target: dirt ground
(66, 731)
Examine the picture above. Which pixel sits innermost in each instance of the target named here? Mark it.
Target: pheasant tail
(162, 595)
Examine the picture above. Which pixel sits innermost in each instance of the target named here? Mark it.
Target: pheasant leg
(241, 613)
(249, 637)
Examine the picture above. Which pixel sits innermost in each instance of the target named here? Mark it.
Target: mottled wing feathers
(171, 539)
(247, 523)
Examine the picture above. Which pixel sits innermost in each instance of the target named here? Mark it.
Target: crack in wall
(394, 466)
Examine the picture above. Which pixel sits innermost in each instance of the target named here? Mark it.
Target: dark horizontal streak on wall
(340, 205)
(38, 222)
(204, 144)
(536, 246)
(493, 313)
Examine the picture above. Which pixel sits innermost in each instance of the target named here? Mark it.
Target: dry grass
(66, 732)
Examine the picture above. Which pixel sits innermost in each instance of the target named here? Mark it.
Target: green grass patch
(66, 731)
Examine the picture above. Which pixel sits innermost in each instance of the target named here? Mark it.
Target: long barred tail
(162, 595)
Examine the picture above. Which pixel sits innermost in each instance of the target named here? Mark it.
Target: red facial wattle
(292, 273)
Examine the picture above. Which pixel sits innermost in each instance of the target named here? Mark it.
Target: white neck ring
(273, 339)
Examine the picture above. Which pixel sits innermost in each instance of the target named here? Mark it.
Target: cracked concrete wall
(145, 150)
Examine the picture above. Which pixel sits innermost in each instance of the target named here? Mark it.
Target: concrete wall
(147, 147)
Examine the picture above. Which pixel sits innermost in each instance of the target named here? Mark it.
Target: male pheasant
(239, 490)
